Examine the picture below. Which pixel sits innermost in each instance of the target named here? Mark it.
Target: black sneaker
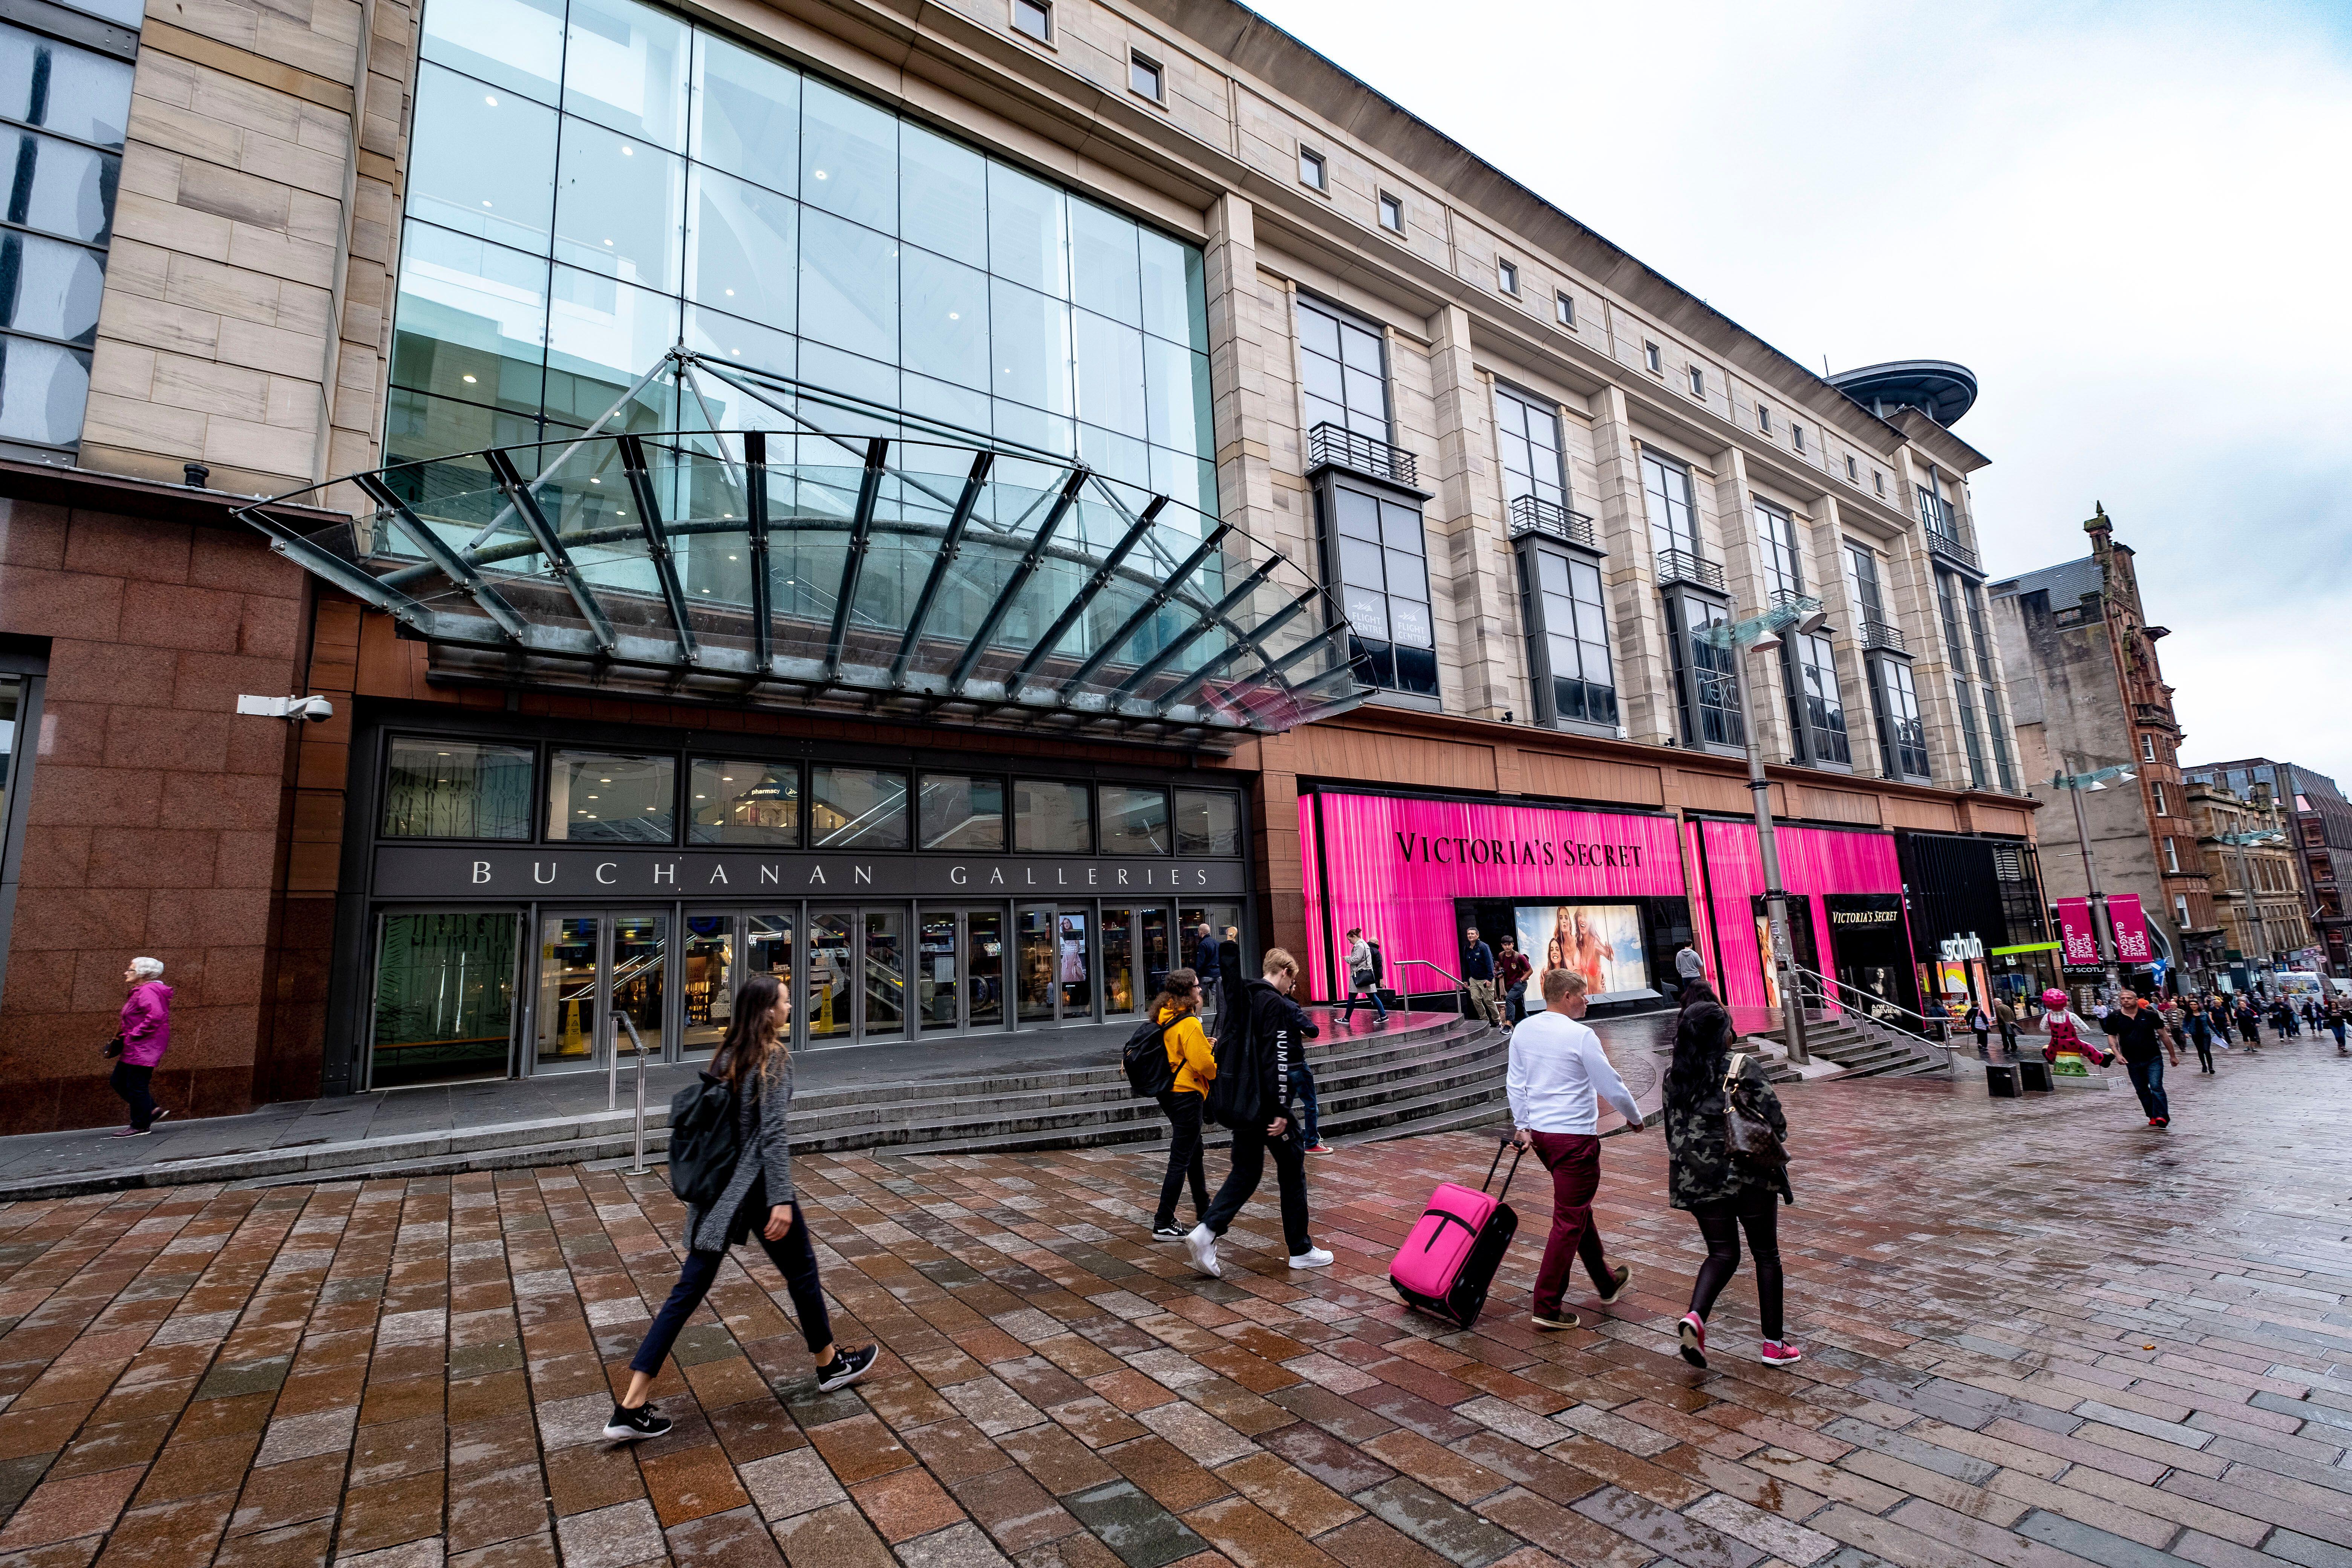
(846, 1368)
(1167, 1232)
(632, 1426)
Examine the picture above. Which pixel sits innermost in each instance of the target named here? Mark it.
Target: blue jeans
(2148, 1083)
(1310, 1118)
(1370, 990)
(795, 1259)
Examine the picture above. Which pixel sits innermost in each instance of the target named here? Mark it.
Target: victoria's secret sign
(404, 871)
(1464, 850)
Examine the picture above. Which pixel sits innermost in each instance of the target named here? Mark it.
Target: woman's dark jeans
(1310, 1108)
(795, 1259)
(1720, 1223)
(130, 1083)
(1184, 1109)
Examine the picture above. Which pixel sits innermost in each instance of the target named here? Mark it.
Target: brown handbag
(1745, 1131)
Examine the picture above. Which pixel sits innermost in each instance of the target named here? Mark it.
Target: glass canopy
(846, 556)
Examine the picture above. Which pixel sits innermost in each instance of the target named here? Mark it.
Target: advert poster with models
(1601, 941)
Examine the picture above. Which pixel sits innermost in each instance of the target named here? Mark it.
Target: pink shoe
(1693, 1329)
(1780, 1353)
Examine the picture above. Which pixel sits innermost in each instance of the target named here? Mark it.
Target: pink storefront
(1846, 911)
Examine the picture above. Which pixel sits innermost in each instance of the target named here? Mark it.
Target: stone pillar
(1239, 345)
(1825, 579)
(1743, 575)
(1467, 528)
(1645, 698)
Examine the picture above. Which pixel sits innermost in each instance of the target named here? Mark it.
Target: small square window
(1391, 213)
(2147, 748)
(1698, 382)
(1143, 75)
(1878, 481)
(1506, 276)
(1564, 308)
(1797, 437)
(1311, 172)
(1853, 470)
(1035, 17)
(1764, 417)
(1652, 356)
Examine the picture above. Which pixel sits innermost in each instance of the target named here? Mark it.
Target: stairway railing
(1861, 1008)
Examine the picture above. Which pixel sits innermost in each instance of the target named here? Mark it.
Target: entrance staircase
(1868, 1050)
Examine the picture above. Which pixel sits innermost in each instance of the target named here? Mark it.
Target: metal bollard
(613, 1065)
(638, 1167)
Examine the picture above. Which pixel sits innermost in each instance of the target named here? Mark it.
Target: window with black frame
(1376, 541)
(435, 787)
(1567, 639)
(1969, 742)
(1706, 685)
(1904, 740)
(1776, 540)
(1816, 711)
(1667, 494)
(1526, 436)
(1343, 371)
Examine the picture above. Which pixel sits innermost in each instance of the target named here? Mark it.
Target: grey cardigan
(767, 1153)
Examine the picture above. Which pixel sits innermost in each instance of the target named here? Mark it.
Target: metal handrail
(1680, 565)
(1869, 1013)
(1334, 446)
(1459, 984)
(1534, 515)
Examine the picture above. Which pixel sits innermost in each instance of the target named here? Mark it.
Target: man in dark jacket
(1204, 965)
(2139, 1036)
(1264, 1034)
(1478, 973)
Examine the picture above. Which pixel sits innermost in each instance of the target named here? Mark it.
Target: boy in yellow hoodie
(1177, 1009)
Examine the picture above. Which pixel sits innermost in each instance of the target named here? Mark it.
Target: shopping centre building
(938, 503)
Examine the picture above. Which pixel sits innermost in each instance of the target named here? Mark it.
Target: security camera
(316, 710)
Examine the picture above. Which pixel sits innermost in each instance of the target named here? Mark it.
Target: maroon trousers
(1574, 1161)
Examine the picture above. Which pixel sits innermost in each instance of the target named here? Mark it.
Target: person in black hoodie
(1264, 1034)
(2139, 1036)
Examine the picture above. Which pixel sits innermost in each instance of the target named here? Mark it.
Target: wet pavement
(2038, 1333)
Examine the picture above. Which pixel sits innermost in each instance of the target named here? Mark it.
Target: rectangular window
(2181, 910)
(456, 789)
(1764, 417)
(1709, 687)
(1143, 75)
(955, 811)
(1134, 820)
(1997, 727)
(1861, 578)
(1817, 713)
(743, 803)
(1526, 436)
(1035, 17)
(1563, 309)
(1970, 742)
(1343, 367)
(1654, 358)
(1878, 481)
(2147, 748)
(1853, 470)
(1977, 633)
(2156, 789)
(2171, 856)
(1666, 496)
(1698, 382)
(1052, 818)
(1775, 535)
(1796, 436)
(1312, 173)
(857, 809)
(1391, 213)
(1568, 637)
(1208, 822)
(1507, 278)
(596, 798)
(1947, 609)
(1906, 741)
(1375, 544)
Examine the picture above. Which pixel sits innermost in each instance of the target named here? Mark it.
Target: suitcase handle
(1507, 1176)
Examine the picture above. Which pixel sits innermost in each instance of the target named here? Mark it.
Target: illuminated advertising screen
(1601, 941)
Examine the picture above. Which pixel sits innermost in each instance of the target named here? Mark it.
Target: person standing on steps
(756, 1062)
(1177, 1010)
(1229, 967)
(1512, 970)
(1252, 1095)
(2139, 1036)
(1478, 973)
(146, 1036)
(1558, 1076)
(1688, 966)
(1725, 1193)
(1363, 977)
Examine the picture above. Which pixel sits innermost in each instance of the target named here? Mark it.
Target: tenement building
(2318, 825)
(2249, 855)
(2097, 730)
(938, 503)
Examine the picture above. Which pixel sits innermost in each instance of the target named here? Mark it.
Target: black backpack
(1380, 970)
(1233, 1093)
(704, 1144)
(1146, 1060)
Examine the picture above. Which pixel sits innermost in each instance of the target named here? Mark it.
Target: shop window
(743, 803)
(445, 986)
(958, 812)
(1052, 818)
(456, 789)
(857, 809)
(1134, 820)
(1208, 822)
(1568, 635)
(593, 797)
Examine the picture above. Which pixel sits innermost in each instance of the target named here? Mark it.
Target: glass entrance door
(594, 967)
(1121, 996)
(445, 995)
(857, 976)
(959, 981)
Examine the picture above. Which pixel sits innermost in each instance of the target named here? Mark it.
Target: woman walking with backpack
(1723, 1191)
(756, 1064)
(1191, 1067)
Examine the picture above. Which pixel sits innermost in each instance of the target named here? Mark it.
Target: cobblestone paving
(2039, 1335)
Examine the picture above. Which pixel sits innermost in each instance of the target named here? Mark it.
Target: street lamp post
(2079, 785)
(1755, 636)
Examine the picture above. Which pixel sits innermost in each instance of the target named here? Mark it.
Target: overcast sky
(2133, 221)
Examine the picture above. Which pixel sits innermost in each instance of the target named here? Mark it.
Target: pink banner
(2129, 923)
(1815, 861)
(2078, 937)
(1395, 866)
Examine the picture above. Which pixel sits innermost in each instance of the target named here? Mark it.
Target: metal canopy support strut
(975, 485)
(335, 569)
(558, 560)
(1253, 643)
(1183, 639)
(649, 519)
(1087, 595)
(437, 550)
(1017, 579)
(1109, 645)
(853, 565)
(755, 531)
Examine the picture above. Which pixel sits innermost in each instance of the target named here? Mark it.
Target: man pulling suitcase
(1558, 1074)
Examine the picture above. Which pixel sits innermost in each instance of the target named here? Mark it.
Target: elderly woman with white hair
(146, 1036)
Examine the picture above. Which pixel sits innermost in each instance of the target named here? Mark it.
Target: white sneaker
(1313, 1258)
(1201, 1245)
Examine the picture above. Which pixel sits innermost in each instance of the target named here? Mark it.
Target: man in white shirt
(1558, 1074)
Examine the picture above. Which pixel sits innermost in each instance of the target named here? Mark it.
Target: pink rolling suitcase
(1447, 1264)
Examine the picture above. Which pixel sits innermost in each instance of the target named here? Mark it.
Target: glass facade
(743, 803)
(1384, 590)
(660, 183)
(1906, 742)
(1709, 688)
(64, 108)
(456, 789)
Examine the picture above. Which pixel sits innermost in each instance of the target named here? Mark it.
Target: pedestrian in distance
(1724, 1192)
(2138, 1034)
(1193, 1065)
(1478, 973)
(2200, 1026)
(2004, 1017)
(1980, 1026)
(2250, 1027)
(755, 1061)
(144, 1037)
(2175, 1030)
(1513, 970)
(1229, 967)
(1688, 966)
(1251, 1095)
(1557, 1077)
(1363, 977)
(2338, 1019)
(1205, 968)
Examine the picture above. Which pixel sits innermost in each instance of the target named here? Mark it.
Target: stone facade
(2256, 893)
(2319, 822)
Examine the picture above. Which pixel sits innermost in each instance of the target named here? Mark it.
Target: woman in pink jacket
(146, 1036)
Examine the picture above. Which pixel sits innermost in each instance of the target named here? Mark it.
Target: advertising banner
(1601, 941)
(2129, 923)
(2079, 936)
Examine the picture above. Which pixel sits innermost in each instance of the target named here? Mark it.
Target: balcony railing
(1533, 514)
(1949, 547)
(1684, 567)
(1330, 445)
(1879, 635)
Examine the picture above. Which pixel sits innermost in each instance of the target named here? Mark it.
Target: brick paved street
(2039, 1335)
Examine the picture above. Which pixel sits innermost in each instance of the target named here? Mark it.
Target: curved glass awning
(848, 557)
